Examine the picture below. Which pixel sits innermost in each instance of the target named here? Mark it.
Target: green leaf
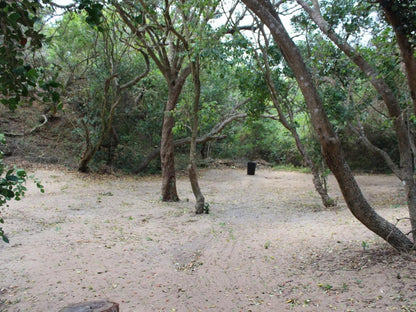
(54, 84)
(55, 97)
(32, 74)
(6, 192)
(5, 239)
(21, 173)
(13, 18)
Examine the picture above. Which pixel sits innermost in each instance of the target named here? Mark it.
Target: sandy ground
(267, 245)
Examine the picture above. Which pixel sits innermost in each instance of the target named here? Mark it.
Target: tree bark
(167, 154)
(330, 144)
(193, 176)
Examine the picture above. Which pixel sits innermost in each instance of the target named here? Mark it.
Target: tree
(384, 89)
(330, 144)
(268, 60)
(113, 89)
(193, 40)
(159, 33)
(167, 34)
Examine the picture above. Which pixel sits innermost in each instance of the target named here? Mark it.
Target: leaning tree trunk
(193, 177)
(381, 86)
(330, 144)
(395, 111)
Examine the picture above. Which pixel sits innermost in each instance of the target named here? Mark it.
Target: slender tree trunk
(330, 144)
(327, 201)
(193, 176)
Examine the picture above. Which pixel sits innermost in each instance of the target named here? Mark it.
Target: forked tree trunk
(330, 144)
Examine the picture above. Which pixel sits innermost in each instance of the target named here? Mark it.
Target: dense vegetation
(82, 55)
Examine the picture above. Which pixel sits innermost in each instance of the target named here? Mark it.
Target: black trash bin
(251, 167)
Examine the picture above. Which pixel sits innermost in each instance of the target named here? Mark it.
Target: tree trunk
(93, 306)
(327, 201)
(167, 155)
(193, 177)
(89, 151)
(330, 144)
(388, 95)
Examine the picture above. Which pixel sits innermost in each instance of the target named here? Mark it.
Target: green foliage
(350, 15)
(406, 11)
(229, 74)
(94, 10)
(20, 35)
(89, 58)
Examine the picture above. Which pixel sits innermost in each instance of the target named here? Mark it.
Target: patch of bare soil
(267, 245)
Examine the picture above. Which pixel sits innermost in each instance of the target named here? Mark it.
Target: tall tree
(330, 144)
(159, 30)
(385, 91)
(196, 17)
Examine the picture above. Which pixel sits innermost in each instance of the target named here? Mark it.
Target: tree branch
(33, 130)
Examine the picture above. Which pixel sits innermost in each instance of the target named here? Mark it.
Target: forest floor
(266, 245)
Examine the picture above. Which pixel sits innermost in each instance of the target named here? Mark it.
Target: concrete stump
(92, 306)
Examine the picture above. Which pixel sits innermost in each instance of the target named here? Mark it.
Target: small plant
(106, 194)
(365, 245)
(326, 287)
(267, 244)
(206, 208)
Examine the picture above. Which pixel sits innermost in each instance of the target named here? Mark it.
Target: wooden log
(92, 306)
